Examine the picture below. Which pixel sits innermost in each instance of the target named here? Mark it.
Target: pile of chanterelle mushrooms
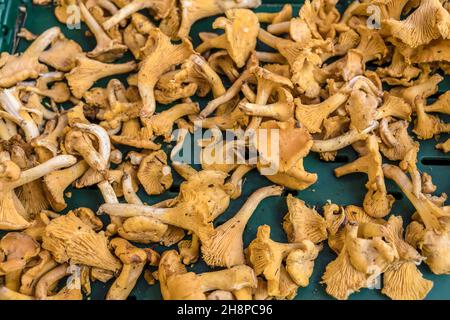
(315, 88)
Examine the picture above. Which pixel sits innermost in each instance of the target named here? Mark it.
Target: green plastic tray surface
(344, 191)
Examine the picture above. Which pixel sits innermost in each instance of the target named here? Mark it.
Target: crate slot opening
(428, 161)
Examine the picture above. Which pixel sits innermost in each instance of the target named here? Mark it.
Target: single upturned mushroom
(154, 174)
(312, 116)
(134, 260)
(68, 238)
(225, 248)
(191, 286)
(303, 223)
(88, 71)
(377, 203)
(16, 68)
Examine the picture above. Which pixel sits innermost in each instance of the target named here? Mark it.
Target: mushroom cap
(19, 246)
(293, 143)
(154, 174)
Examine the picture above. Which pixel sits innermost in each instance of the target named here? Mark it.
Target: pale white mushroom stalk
(226, 247)
(110, 197)
(14, 108)
(43, 169)
(133, 7)
(104, 144)
(342, 141)
(128, 191)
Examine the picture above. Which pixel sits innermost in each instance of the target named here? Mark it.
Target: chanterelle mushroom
(285, 165)
(377, 203)
(194, 10)
(303, 223)
(68, 238)
(358, 264)
(12, 211)
(201, 199)
(18, 68)
(154, 174)
(190, 286)
(432, 231)
(241, 29)
(163, 55)
(225, 248)
(266, 257)
(134, 260)
(429, 21)
(18, 248)
(87, 71)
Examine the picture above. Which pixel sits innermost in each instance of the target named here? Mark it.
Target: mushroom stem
(270, 57)
(133, 210)
(43, 169)
(42, 42)
(50, 279)
(128, 191)
(210, 75)
(14, 113)
(279, 28)
(342, 141)
(106, 49)
(133, 7)
(227, 279)
(234, 185)
(428, 211)
(268, 38)
(228, 95)
(104, 144)
(8, 294)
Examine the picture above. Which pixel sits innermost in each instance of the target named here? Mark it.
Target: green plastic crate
(344, 191)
